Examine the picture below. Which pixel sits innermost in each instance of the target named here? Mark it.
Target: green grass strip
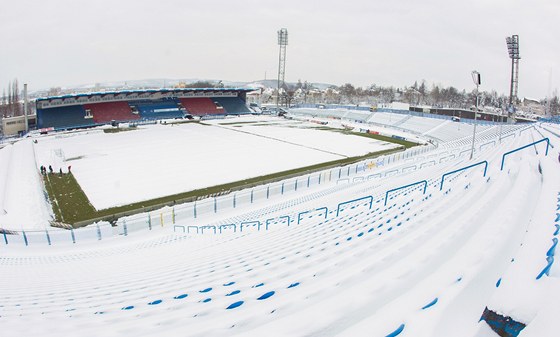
(119, 129)
(69, 202)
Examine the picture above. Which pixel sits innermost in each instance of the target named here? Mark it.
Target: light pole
(476, 79)
(282, 42)
(501, 125)
(512, 43)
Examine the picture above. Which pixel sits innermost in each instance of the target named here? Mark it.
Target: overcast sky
(387, 42)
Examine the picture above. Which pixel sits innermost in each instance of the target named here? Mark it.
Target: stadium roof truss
(149, 94)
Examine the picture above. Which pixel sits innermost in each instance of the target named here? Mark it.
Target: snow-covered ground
(407, 264)
(22, 198)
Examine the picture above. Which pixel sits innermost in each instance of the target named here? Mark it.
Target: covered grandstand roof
(123, 95)
(145, 91)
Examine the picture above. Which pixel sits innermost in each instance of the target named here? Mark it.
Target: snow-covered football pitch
(154, 161)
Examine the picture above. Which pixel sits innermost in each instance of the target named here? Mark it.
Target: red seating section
(106, 112)
(201, 106)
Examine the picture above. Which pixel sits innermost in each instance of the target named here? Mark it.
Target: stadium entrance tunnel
(504, 326)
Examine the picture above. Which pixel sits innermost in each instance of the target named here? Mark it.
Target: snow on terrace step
(533, 305)
(206, 299)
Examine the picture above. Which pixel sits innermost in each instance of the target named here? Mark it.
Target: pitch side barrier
(370, 198)
(55, 236)
(166, 217)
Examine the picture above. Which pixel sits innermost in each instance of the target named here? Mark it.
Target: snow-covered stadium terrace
(441, 129)
(417, 243)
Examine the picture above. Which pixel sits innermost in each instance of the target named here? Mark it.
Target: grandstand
(419, 243)
(90, 109)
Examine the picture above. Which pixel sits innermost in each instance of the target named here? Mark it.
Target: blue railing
(493, 142)
(552, 250)
(425, 182)
(397, 331)
(317, 209)
(369, 197)
(484, 162)
(527, 128)
(250, 223)
(524, 147)
(510, 135)
(464, 151)
(268, 221)
(546, 270)
(227, 226)
(433, 162)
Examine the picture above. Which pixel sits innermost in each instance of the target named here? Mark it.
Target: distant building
(13, 126)
(532, 106)
(394, 106)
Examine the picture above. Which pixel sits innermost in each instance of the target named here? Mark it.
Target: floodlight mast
(512, 43)
(476, 79)
(25, 107)
(282, 42)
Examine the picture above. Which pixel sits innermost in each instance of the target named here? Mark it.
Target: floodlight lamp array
(283, 37)
(512, 43)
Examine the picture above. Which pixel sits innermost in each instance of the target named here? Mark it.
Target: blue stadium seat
(232, 105)
(63, 117)
(161, 109)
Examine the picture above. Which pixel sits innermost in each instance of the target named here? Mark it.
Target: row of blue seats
(159, 110)
(63, 117)
(232, 105)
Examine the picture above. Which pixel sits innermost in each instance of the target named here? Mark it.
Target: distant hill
(156, 83)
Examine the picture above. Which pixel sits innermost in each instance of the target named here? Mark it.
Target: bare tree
(16, 107)
(555, 104)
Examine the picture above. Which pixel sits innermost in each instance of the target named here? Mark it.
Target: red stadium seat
(111, 111)
(201, 106)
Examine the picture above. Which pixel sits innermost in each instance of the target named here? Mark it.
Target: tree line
(10, 103)
(418, 94)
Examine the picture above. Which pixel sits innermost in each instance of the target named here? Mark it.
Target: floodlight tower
(512, 43)
(282, 42)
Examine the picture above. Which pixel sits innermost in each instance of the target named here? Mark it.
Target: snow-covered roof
(143, 91)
